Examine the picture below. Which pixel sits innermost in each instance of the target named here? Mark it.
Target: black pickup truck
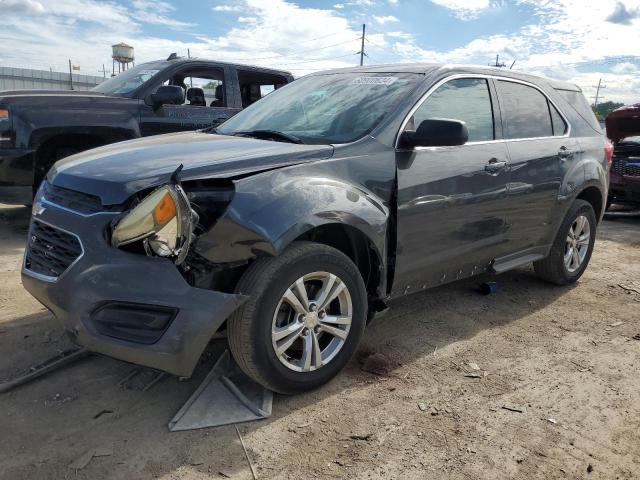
(38, 127)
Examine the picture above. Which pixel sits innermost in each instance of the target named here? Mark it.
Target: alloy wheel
(577, 244)
(312, 321)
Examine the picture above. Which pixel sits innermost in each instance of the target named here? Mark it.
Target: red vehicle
(623, 129)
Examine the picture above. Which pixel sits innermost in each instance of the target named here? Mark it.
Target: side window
(208, 92)
(203, 87)
(558, 123)
(525, 111)
(464, 99)
(255, 85)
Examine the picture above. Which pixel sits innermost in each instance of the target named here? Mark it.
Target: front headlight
(162, 221)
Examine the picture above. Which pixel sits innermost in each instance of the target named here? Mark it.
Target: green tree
(605, 108)
(212, 85)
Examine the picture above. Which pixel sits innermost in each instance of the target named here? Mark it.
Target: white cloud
(464, 9)
(21, 6)
(625, 68)
(228, 8)
(385, 19)
(158, 13)
(283, 34)
(623, 15)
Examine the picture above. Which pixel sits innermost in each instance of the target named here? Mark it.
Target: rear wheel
(572, 248)
(304, 318)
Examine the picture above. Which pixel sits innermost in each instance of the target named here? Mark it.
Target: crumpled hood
(115, 172)
(623, 122)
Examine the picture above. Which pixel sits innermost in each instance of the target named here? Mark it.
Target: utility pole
(362, 54)
(498, 64)
(70, 75)
(598, 88)
(104, 71)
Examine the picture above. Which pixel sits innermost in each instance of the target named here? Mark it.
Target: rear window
(580, 104)
(525, 110)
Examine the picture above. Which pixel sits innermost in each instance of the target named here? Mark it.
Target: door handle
(495, 166)
(564, 153)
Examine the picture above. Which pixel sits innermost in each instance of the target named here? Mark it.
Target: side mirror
(167, 95)
(436, 132)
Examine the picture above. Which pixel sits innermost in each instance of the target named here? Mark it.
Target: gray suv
(298, 219)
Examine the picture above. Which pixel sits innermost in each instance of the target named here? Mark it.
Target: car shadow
(87, 405)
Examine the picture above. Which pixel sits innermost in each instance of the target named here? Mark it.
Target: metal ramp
(226, 395)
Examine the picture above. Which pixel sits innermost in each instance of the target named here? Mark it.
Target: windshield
(635, 139)
(129, 80)
(336, 108)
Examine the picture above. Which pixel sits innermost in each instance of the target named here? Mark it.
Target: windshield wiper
(269, 134)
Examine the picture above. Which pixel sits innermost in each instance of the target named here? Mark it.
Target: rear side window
(580, 104)
(559, 125)
(525, 111)
(464, 99)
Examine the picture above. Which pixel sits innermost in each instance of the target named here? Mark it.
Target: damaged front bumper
(125, 305)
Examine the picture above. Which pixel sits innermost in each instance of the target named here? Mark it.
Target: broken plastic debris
(513, 408)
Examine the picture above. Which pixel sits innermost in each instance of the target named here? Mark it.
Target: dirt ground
(564, 360)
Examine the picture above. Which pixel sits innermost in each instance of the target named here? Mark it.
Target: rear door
(541, 152)
(452, 200)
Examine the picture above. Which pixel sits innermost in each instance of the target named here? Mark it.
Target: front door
(207, 103)
(452, 200)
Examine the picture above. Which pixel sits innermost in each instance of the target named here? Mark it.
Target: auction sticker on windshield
(374, 80)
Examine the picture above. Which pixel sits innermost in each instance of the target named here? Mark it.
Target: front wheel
(304, 318)
(572, 248)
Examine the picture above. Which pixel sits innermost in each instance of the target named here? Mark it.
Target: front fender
(272, 209)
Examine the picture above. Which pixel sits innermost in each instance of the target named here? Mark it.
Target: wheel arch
(49, 141)
(272, 210)
(594, 195)
(355, 245)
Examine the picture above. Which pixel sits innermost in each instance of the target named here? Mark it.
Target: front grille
(77, 201)
(50, 251)
(626, 168)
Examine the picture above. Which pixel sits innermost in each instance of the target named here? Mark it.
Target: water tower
(123, 55)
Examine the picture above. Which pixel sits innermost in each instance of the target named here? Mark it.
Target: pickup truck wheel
(45, 162)
(572, 248)
(304, 318)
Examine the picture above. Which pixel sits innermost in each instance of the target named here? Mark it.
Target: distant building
(24, 78)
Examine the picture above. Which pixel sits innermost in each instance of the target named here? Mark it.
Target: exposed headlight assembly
(163, 221)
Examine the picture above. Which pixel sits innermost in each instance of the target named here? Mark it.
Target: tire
(554, 268)
(46, 161)
(251, 327)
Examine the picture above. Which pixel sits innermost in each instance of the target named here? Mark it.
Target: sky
(581, 41)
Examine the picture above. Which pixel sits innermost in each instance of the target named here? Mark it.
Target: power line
(312, 60)
(301, 52)
(324, 36)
